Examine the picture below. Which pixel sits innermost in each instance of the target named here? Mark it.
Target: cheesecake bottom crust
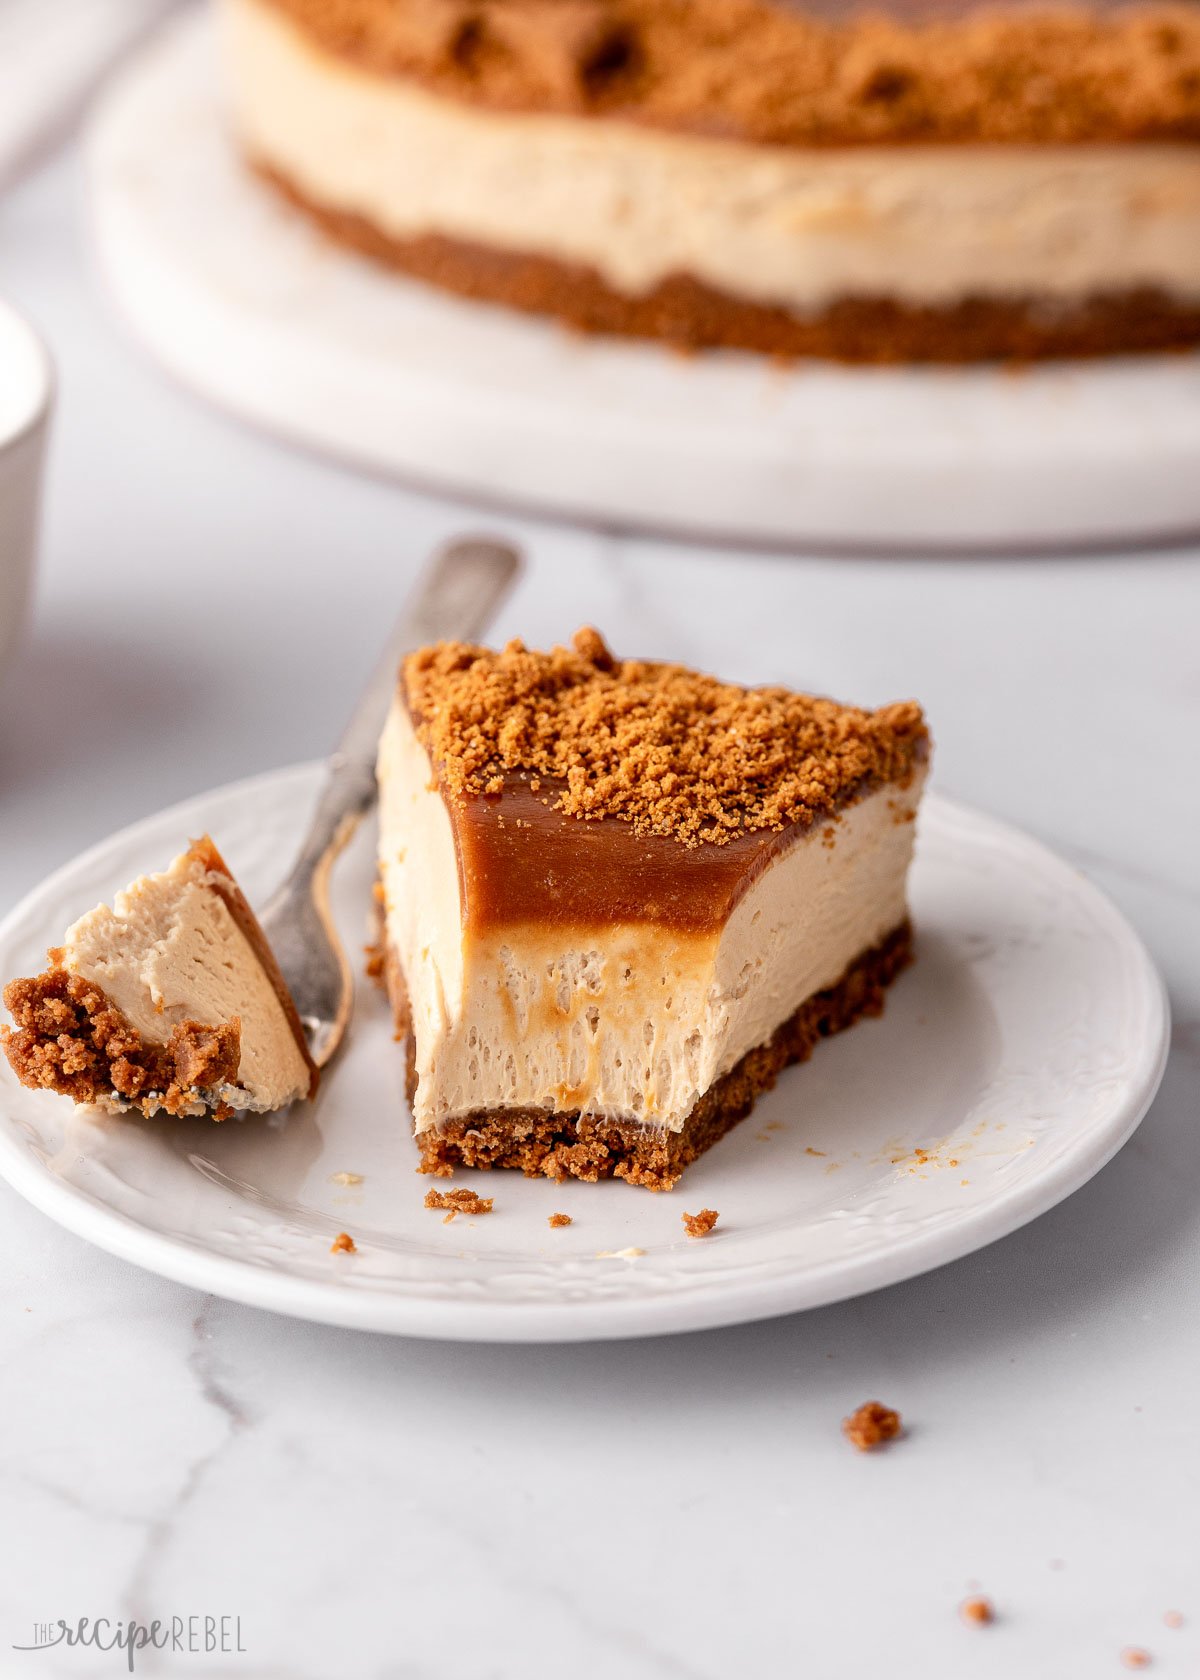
(561, 1146)
(688, 315)
(72, 1039)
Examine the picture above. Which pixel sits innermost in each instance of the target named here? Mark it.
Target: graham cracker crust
(688, 315)
(72, 1039)
(560, 1146)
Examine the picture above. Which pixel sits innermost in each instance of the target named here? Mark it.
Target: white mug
(26, 395)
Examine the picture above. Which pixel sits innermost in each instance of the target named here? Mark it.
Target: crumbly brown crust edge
(688, 315)
(560, 1146)
(72, 1039)
(771, 72)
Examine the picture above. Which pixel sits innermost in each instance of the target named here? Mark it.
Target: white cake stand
(243, 301)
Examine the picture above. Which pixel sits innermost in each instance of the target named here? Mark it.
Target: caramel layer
(522, 861)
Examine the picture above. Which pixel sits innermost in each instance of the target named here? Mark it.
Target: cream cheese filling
(787, 226)
(629, 1020)
(168, 951)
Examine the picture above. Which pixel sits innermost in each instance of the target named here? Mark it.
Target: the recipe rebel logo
(206, 1636)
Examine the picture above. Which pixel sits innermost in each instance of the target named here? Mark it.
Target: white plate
(242, 300)
(1017, 1054)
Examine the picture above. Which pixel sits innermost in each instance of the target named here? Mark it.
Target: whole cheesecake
(620, 896)
(940, 182)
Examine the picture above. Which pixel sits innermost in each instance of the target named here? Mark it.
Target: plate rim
(393, 1312)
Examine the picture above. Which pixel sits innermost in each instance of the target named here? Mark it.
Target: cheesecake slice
(618, 897)
(170, 1000)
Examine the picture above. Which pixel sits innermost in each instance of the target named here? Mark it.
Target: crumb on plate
(346, 1178)
(457, 1201)
(557, 1220)
(700, 1224)
(343, 1243)
(1133, 1656)
(871, 1425)
(977, 1611)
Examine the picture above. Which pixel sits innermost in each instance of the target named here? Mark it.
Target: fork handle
(455, 599)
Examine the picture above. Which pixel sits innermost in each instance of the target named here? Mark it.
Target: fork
(456, 598)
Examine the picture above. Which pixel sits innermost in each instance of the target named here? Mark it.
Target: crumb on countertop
(557, 1220)
(977, 1611)
(871, 1425)
(343, 1243)
(455, 1202)
(700, 1224)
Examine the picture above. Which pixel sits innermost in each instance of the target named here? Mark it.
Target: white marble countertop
(392, 1510)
